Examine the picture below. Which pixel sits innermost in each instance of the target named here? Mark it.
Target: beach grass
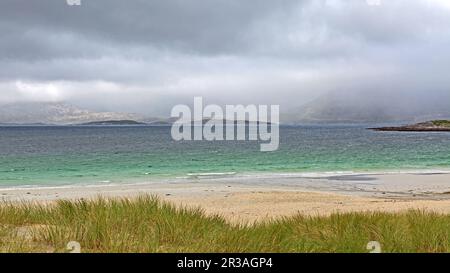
(146, 224)
(441, 123)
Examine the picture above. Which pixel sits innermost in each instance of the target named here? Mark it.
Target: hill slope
(371, 108)
(55, 113)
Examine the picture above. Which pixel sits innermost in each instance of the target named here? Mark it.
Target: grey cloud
(150, 54)
(191, 25)
(46, 28)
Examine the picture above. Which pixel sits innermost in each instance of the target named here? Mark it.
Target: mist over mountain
(334, 107)
(372, 107)
(55, 113)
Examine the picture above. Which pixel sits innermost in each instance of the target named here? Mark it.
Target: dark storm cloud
(197, 26)
(142, 54)
(51, 28)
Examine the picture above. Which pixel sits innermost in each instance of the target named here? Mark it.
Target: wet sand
(261, 197)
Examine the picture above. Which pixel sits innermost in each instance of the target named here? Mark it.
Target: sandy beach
(254, 198)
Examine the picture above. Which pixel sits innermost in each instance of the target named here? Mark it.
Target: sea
(36, 156)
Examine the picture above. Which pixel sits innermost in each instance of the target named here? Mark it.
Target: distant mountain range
(40, 114)
(371, 108)
(55, 113)
(167, 122)
(332, 108)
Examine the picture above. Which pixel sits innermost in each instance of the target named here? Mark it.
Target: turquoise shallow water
(50, 156)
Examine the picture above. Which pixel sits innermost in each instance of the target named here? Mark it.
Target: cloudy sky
(146, 55)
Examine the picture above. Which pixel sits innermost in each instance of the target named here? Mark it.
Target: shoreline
(256, 198)
(210, 176)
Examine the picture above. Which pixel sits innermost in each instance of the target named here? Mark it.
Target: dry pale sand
(254, 206)
(252, 199)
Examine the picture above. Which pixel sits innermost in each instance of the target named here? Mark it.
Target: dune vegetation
(146, 224)
(441, 123)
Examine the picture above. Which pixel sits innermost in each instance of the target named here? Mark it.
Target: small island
(430, 126)
(113, 123)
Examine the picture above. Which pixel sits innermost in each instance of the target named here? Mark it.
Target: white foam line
(343, 173)
(76, 186)
(211, 174)
(232, 176)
